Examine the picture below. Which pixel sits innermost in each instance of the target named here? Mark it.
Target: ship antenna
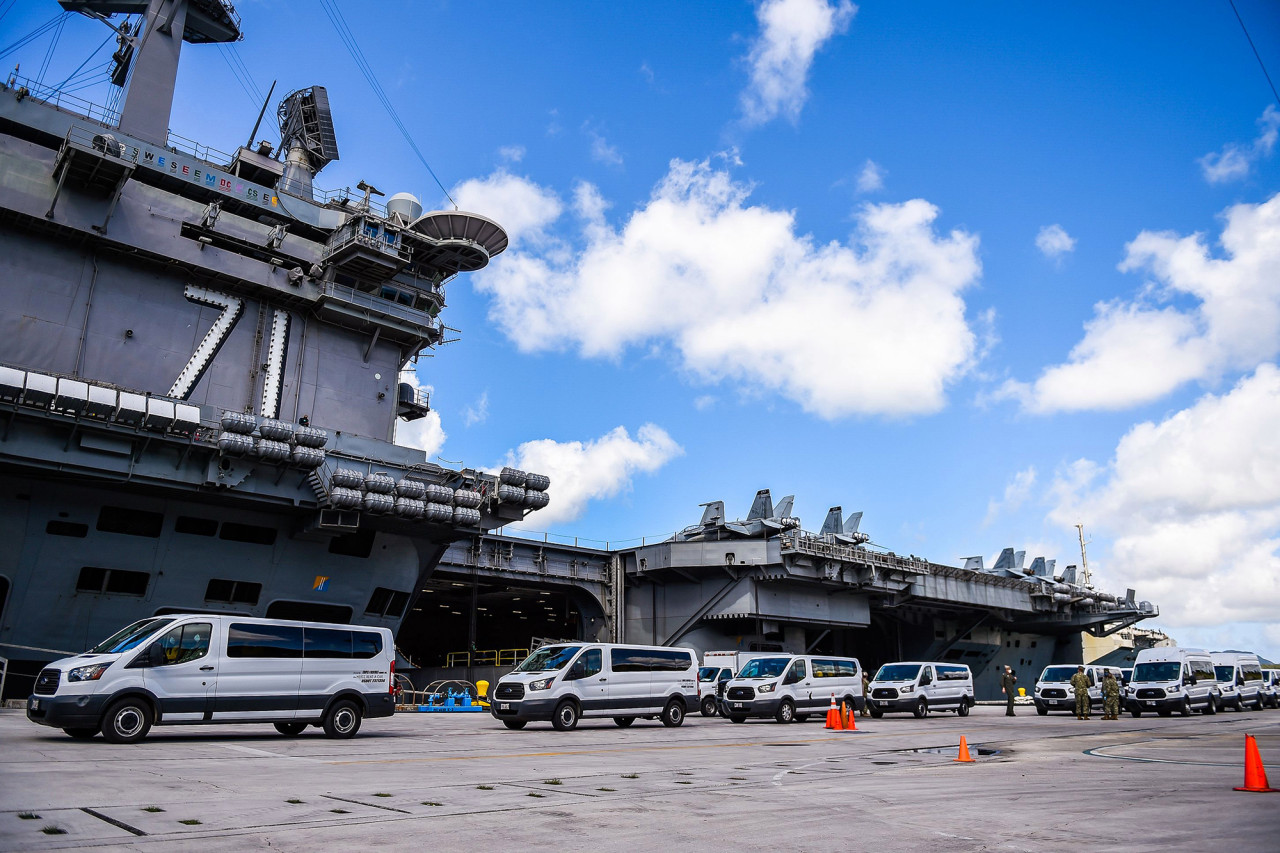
(261, 113)
(1084, 558)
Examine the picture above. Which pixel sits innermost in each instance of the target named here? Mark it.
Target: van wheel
(1042, 710)
(291, 729)
(673, 714)
(922, 708)
(963, 710)
(517, 725)
(1135, 712)
(565, 717)
(127, 721)
(1210, 708)
(737, 718)
(1186, 706)
(343, 720)
(1258, 704)
(877, 713)
(623, 722)
(81, 734)
(708, 706)
(786, 712)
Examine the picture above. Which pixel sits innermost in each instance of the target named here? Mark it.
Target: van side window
(846, 667)
(952, 673)
(798, 670)
(185, 643)
(926, 677)
(326, 643)
(649, 660)
(591, 662)
(264, 641)
(366, 644)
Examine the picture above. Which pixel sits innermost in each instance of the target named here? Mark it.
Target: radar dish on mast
(458, 241)
(306, 121)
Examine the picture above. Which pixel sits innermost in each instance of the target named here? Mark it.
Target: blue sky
(981, 273)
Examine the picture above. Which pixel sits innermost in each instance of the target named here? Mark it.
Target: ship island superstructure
(201, 360)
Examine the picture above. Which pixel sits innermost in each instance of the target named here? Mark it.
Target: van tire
(291, 729)
(1210, 708)
(1135, 712)
(673, 714)
(565, 718)
(623, 722)
(737, 718)
(343, 720)
(963, 710)
(786, 712)
(1042, 710)
(1185, 710)
(81, 734)
(876, 713)
(708, 706)
(921, 710)
(127, 721)
(514, 724)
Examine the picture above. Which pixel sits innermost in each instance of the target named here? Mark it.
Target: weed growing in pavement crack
(53, 830)
(552, 782)
(382, 795)
(630, 775)
(295, 801)
(535, 794)
(484, 787)
(429, 803)
(28, 816)
(153, 809)
(191, 822)
(606, 789)
(339, 811)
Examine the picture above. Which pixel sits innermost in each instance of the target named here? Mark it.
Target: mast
(1084, 558)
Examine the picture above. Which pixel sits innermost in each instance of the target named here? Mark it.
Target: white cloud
(478, 412)
(875, 326)
(1234, 162)
(871, 178)
(791, 32)
(581, 472)
(512, 153)
(601, 150)
(704, 402)
(1198, 318)
(1192, 505)
(520, 206)
(1015, 494)
(425, 433)
(1053, 241)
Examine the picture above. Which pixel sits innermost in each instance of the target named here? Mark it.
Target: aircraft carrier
(202, 364)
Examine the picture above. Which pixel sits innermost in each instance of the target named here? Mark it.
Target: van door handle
(207, 668)
(604, 679)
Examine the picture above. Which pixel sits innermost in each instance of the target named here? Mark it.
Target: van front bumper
(66, 712)
(526, 710)
(752, 707)
(902, 703)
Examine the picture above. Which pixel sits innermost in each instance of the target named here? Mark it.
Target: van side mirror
(792, 677)
(578, 670)
(155, 655)
(1190, 680)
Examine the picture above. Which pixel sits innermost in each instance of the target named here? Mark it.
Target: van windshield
(764, 668)
(1162, 671)
(708, 673)
(898, 672)
(548, 658)
(1225, 673)
(127, 638)
(1058, 673)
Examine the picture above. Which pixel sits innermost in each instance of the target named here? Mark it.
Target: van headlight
(88, 673)
(909, 688)
(1175, 688)
(541, 683)
(767, 688)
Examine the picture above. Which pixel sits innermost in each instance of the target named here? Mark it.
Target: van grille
(1054, 693)
(741, 693)
(509, 691)
(884, 693)
(1151, 693)
(47, 682)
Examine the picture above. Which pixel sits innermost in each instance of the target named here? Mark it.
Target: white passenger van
(190, 668)
(791, 687)
(921, 687)
(1169, 678)
(567, 681)
(1239, 676)
(718, 668)
(1271, 687)
(1055, 693)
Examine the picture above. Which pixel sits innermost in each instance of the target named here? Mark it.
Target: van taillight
(391, 687)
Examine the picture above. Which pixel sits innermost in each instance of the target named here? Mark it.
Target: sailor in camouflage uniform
(1080, 683)
(1110, 697)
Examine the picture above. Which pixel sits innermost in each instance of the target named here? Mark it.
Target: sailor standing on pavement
(866, 694)
(1007, 682)
(1080, 683)
(1110, 697)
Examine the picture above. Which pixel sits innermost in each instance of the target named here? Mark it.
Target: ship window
(309, 611)
(195, 526)
(245, 640)
(353, 544)
(67, 528)
(233, 592)
(133, 522)
(114, 581)
(251, 533)
(387, 602)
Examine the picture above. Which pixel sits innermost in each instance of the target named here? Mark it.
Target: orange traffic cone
(833, 715)
(1255, 775)
(849, 724)
(964, 751)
